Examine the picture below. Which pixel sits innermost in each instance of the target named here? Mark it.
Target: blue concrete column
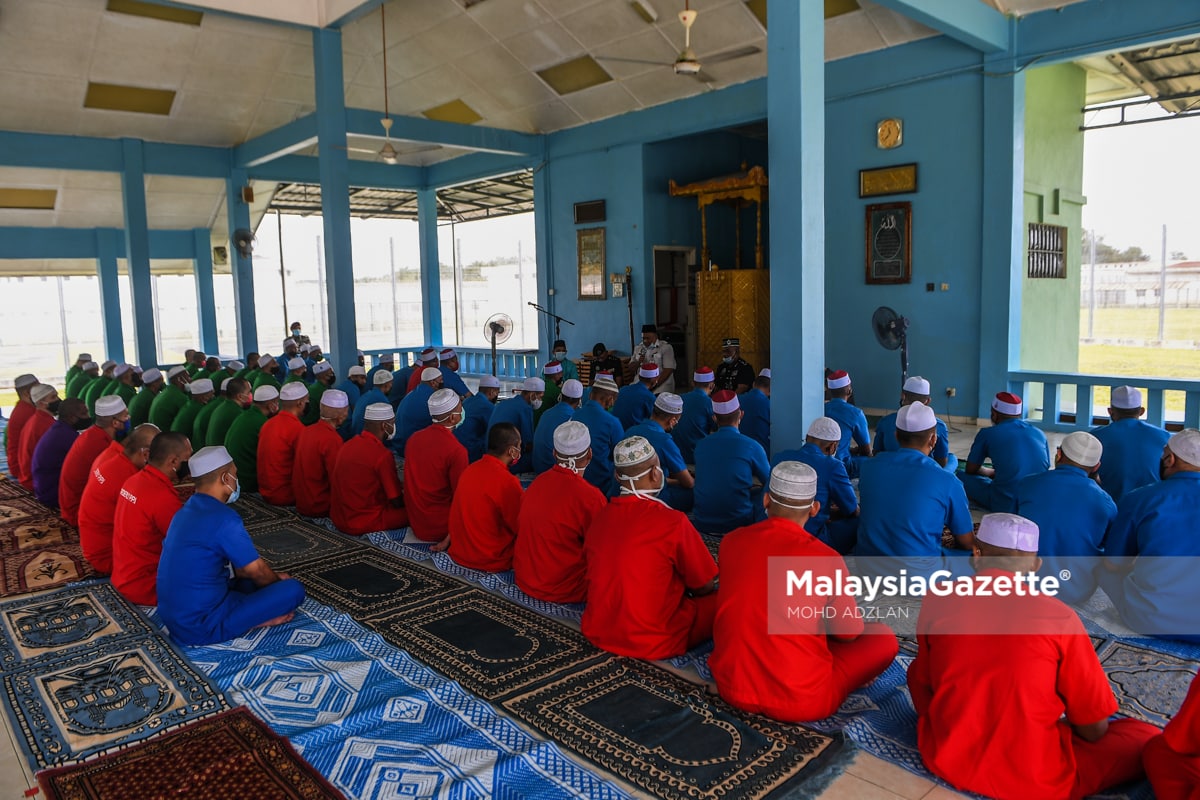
(110, 293)
(137, 250)
(1003, 224)
(333, 166)
(542, 241)
(431, 284)
(796, 150)
(206, 301)
(238, 215)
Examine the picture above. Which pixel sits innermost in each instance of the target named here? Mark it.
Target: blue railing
(511, 365)
(1059, 412)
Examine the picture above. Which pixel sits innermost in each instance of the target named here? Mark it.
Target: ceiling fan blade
(730, 55)
(704, 77)
(635, 61)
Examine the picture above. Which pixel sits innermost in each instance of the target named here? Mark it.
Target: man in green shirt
(95, 389)
(239, 400)
(123, 383)
(265, 376)
(250, 366)
(201, 391)
(88, 373)
(76, 368)
(200, 425)
(212, 365)
(297, 369)
(242, 439)
(323, 374)
(171, 400)
(152, 384)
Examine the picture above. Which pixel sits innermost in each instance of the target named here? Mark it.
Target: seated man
(242, 439)
(1132, 448)
(543, 435)
(22, 412)
(46, 404)
(276, 455)
(651, 581)
(477, 412)
(555, 513)
(1148, 554)
(855, 444)
(907, 501)
(147, 504)
(170, 401)
(835, 521)
(766, 661)
(367, 495)
(553, 376)
(240, 401)
(1172, 760)
(605, 360)
(916, 390)
(378, 393)
(1072, 513)
(317, 450)
(487, 504)
(560, 354)
(204, 415)
(1017, 450)
(111, 426)
(1011, 699)
(731, 470)
(696, 421)
(657, 431)
(98, 507)
(200, 392)
(413, 413)
(605, 431)
(432, 470)
(518, 412)
(52, 449)
(197, 600)
(756, 410)
(429, 360)
(635, 401)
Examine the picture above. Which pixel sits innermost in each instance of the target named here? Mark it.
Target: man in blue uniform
(907, 501)
(448, 366)
(696, 421)
(477, 413)
(377, 394)
(400, 380)
(1132, 448)
(855, 444)
(413, 414)
(1073, 514)
(731, 470)
(354, 385)
(657, 430)
(386, 362)
(605, 431)
(560, 412)
(518, 411)
(197, 600)
(636, 400)
(836, 522)
(916, 390)
(1017, 450)
(756, 410)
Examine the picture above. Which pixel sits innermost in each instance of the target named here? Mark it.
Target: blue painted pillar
(206, 300)
(1003, 224)
(542, 241)
(137, 251)
(110, 293)
(796, 150)
(238, 215)
(334, 170)
(431, 284)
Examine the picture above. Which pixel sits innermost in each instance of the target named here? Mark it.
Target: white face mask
(560, 355)
(727, 360)
(645, 494)
(537, 404)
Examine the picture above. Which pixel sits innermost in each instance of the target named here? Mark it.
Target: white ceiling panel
(544, 46)
(600, 102)
(505, 18)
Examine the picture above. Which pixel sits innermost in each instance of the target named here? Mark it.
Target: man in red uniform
(45, 403)
(99, 505)
(1172, 760)
(277, 445)
(768, 658)
(555, 513)
(435, 463)
(316, 455)
(112, 419)
(145, 507)
(1011, 699)
(429, 359)
(367, 493)
(486, 505)
(651, 581)
(21, 414)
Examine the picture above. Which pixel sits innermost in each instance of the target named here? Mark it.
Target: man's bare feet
(281, 619)
(441, 546)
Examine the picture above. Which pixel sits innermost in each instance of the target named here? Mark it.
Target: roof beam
(360, 122)
(975, 24)
(282, 141)
(303, 169)
(93, 154)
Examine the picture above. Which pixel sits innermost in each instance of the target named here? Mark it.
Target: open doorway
(675, 306)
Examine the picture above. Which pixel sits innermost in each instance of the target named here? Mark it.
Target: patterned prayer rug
(9, 487)
(365, 581)
(230, 754)
(38, 550)
(286, 543)
(255, 512)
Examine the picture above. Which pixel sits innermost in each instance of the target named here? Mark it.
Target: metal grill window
(1047, 251)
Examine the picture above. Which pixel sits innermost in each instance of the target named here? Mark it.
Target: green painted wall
(1053, 195)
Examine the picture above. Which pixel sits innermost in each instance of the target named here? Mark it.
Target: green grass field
(1141, 323)
(1147, 362)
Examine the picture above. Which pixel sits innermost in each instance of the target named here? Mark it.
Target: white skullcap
(428, 355)
(26, 380)
(108, 365)
(41, 392)
(1082, 448)
(648, 371)
(533, 385)
(380, 412)
(84, 357)
(208, 459)
(225, 382)
(793, 480)
(86, 367)
(306, 348)
(321, 367)
(265, 394)
(289, 342)
(357, 371)
(293, 391)
(361, 354)
(725, 402)
(296, 363)
(572, 438)
(335, 398)
(915, 417)
(175, 372)
(670, 403)
(838, 380)
(382, 377)
(765, 372)
(1007, 403)
(430, 374)
(1126, 398)
(151, 375)
(447, 354)
(605, 383)
(236, 366)
(826, 429)
(1009, 531)
(704, 375)
(552, 368)
(632, 451)
(122, 369)
(200, 386)
(443, 401)
(1186, 445)
(917, 385)
(138, 370)
(489, 382)
(264, 359)
(109, 406)
(571, 388)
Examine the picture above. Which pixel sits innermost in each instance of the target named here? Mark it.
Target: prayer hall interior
(817, 188)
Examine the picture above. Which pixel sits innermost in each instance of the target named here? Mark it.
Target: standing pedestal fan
(497, 330)
(891, 330)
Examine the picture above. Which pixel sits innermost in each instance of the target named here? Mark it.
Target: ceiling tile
(544, 46)
(437, 86)
(293, 88)
(234, 49)
(18, 218)
(662, 86)
(147, 66)
(369, 97)
(83, 179)
(43, 57)
(408, 58)
(720, 29)
(91, 200)
(228, 80)
(297, 59)
(115, 124)
(849, 34)
(553, 116)
(51, 22)
(643, 52)
(489, 64)
(739, 70)
(210, 106)
(122, 33)
(896, 28)
(30, 178)
(505, 18)
(171, 184)
(202, 131)
(599, 24)
(561, 8)
(457, 36)
(519, 91)
(408, 17)
(600, 102)
(273, 113)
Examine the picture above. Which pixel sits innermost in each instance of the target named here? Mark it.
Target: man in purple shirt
(52, 449)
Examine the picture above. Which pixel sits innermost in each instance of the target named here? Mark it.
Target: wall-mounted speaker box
(247, 194)
(588, 212)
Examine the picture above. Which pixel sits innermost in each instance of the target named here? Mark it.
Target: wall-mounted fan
(891, 330)
(243, 242)
(496, 330)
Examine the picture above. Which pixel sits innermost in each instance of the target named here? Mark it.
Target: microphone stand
(557, 319)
